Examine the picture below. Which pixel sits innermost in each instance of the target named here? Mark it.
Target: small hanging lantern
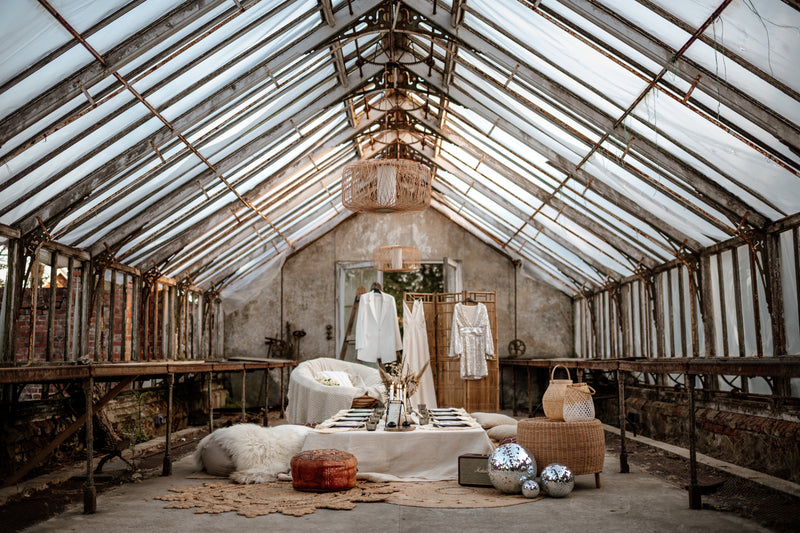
(386, 186)
(396, 258)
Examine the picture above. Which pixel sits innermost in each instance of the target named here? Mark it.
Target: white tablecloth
(424, 454)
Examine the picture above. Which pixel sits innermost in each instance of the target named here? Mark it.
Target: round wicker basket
(553, 399)
(579, 445)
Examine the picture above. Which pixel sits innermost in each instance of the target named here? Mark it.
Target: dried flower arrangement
(400, 384)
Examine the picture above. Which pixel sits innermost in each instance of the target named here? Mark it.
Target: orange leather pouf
(324, 470)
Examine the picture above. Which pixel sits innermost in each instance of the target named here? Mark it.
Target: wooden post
(695, 495)
(112, 304)
(34, 303)
(51, 311)
(266, 395)
(136, 313)
(70, 317)
(89, 492)
(244, 399)
(623, 452)
(530, 396)
(99, 294)
(166, 469)
(775, 293)
(210, 404)
(283, 395)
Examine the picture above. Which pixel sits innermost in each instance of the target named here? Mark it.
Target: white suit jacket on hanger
(377, 331)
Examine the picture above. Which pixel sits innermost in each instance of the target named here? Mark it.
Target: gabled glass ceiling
(585, 138)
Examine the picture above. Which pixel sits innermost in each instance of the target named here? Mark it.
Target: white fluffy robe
(258, 453)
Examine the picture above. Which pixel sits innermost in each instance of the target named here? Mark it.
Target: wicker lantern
(396, 258)
(386, 186)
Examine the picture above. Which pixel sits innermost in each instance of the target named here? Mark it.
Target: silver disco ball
(509, 465)
(530, 489)
(557, 480)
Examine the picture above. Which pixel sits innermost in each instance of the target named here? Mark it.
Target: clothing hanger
(469, 300)
(376, 287)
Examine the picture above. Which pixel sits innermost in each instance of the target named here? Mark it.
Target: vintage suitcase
(473, 470)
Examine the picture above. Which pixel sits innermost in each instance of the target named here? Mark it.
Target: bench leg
(597, 483)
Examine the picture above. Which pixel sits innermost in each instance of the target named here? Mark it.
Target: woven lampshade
(396, 258)
(386, 186)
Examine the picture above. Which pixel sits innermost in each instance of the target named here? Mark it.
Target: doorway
(433, 276)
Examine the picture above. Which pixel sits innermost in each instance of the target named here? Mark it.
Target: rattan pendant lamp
(396, 258)
(386, 186)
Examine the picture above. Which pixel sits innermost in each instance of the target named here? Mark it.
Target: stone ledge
(79, 469)
(766, 480)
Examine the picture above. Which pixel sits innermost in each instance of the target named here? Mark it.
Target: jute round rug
(279, 497)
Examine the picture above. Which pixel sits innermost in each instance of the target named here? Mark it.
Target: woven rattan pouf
(579, 445)
(324, 470)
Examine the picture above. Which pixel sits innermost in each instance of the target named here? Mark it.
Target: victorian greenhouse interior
(190, 211)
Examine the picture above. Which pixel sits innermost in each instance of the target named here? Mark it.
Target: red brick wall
(119, 335)
(766, 441)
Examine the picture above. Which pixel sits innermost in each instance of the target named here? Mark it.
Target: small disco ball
(508, 466)
(530, 489)
(557, 480)
(530, 473)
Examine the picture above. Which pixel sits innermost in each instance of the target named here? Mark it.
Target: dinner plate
(346, 424)
(447, 424)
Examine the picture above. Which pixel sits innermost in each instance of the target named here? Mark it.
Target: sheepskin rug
(250, 453)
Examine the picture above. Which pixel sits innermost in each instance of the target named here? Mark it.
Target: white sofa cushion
(311, 402)
(490, 420)
(337, 378)
(502, 431)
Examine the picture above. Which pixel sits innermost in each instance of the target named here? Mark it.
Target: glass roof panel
(732, 156)
(29, 35)
(751, 84)
(762, 32)
(83, 14)
(564, 53)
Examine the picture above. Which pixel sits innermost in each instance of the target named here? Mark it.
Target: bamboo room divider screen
(451, 390)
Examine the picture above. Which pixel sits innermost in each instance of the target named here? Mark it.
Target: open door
(451, 272)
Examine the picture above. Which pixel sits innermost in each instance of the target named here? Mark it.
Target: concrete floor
(626, 502)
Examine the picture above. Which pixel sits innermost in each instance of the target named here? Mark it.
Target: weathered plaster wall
(309, 288)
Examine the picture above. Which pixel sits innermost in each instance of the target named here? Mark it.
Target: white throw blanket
(253, 453)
